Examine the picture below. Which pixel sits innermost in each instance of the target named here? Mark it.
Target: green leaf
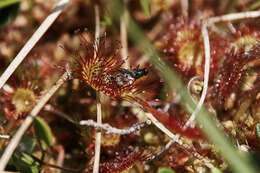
(257, 128)
(6, 3)
(8, 10)
(215, 170)
(107, 21)
(9, 59)
(254, 6)
(163, 93)
(24, 163)
(27, 159)
(146, 7)
(43, 132)
(165, 170)
(28, 143)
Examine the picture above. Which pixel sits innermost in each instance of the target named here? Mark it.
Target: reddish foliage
(20, 101)
(122, 161)
(184, 47)
(99, 67)
(175, 37)
(170, 121)
(231, 72)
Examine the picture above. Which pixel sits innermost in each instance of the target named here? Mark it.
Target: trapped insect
(130, 75)
(134, 73)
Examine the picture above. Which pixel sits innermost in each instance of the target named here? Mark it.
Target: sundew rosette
(100, 67)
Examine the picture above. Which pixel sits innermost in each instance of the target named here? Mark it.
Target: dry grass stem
(112, 130)
(60, 159)
(185, 8)
(27, 122)
(166, 147)
(99, 111)
(123, 38)
(4, 136)
(206, 75)
(98, 136)
(233, 16)
(162, 127)
(176, 138)
(32, 41)
(7, 88)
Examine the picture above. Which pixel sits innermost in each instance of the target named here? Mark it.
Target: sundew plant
(129, 86)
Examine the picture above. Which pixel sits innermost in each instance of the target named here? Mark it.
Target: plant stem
(233, 16)
(112, 130)
(52, 165)
(98, 136)
(27, 122)
(123, 38)
(51, 109)
(99, 111)
(60, 157)
(185, 8)
(32, 41)
(175, 138)
(206, 77)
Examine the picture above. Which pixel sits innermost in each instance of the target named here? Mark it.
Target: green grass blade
(5, 3)
(146, 7)
(254, 6)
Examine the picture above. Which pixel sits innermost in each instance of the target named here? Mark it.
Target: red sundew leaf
(249, 27)
(229, 76)
(204, 151)
(123, 161)
(23, 97)
(176, 160)
(173, 124)
(184, 50)
(99, 68)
